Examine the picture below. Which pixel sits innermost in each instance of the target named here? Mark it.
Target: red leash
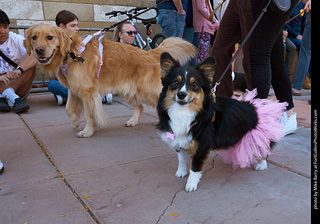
(295, 16)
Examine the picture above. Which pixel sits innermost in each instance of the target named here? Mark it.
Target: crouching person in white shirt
(19, 80)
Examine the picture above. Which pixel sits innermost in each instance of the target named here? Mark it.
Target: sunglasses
(130, 33)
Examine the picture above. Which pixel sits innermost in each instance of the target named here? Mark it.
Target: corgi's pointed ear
(167, 63)
(208, 68)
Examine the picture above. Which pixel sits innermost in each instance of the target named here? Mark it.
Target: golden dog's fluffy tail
(181, 50)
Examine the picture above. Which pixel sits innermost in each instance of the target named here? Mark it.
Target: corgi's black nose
(182, 95)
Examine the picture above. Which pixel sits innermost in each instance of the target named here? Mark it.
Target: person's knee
(52, 85)
(23, 84)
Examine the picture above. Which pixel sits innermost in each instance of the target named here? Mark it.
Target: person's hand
(182, 12)
(5, 80)
(307, 6)
(299, 37)
(13, 74)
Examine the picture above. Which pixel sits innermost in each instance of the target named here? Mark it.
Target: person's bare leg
(290, 112)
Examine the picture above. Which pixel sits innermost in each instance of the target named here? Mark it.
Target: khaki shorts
(13, 81)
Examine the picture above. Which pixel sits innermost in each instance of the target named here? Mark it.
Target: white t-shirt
(13, 48)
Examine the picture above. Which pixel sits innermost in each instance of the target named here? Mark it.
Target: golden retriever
(128, 71)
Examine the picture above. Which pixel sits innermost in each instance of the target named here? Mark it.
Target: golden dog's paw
(84, 134)
(75, 125)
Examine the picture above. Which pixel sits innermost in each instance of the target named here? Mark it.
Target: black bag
(280, 6)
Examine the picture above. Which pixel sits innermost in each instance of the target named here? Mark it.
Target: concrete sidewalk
(127, 175)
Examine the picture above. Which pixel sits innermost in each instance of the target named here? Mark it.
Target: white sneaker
(109, 98)
(1, 167)
(290, 123)
(59, 99)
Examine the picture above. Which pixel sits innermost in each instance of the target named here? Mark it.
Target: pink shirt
(201, 14)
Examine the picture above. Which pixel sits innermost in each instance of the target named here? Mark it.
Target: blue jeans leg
(309, 69)
(171, 23)
(304, 58)
(180, 20)
(193, 38)
(57, 88)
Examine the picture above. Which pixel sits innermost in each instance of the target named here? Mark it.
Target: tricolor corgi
(194, 121)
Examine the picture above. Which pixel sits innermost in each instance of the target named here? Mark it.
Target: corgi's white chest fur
(180, 123)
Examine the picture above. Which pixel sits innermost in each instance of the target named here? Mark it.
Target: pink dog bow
(170, 136)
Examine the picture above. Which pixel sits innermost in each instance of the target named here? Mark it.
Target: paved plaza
(126, 175)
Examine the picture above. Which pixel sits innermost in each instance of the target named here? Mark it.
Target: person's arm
(5, 80)
(201, 6)
(305, 1)
(307, 6)
(178, 5)
(29, 62)
(291, 32)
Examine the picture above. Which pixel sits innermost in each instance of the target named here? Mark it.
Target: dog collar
(73, 55)
(76, 57)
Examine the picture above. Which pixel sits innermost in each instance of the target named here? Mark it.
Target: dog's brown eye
(175, 83)
(49, 37)
(34, 37)
(194, 85)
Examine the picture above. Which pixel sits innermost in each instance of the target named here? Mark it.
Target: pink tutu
(255, 145)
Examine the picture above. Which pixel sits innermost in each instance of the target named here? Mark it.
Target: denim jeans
(57, 88)
(304, 58)
(171, 22)
(193, 38)
(296, 42)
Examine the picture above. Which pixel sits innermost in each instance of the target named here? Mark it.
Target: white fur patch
(180, 121)
(183, 89)
(182, 167)
(261, 165)
(193, 180)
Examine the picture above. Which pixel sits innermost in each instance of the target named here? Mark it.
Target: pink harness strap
(86, 40)
(64, 69)
(100, 51)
